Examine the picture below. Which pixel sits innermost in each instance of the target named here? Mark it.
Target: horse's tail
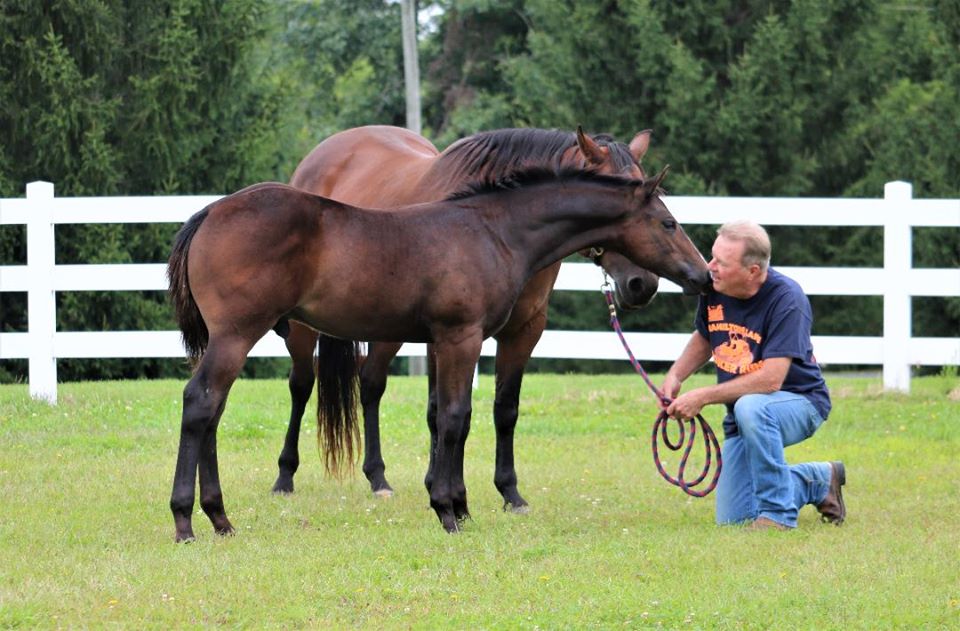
(338, 389)
(192, 326)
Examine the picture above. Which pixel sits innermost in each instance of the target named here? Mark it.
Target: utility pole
(411, 78)
(411, 66)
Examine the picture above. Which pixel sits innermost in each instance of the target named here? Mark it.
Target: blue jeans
(756, 480)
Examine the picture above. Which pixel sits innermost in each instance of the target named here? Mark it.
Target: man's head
(741, 255)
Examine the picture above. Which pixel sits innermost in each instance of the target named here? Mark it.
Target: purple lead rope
(711, 445)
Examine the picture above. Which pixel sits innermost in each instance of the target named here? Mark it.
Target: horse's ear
(660, 177)
(640, 144)
(589, 148)
(650, 186)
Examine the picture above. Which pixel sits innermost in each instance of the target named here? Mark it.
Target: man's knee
(735, 497)
(750, 412)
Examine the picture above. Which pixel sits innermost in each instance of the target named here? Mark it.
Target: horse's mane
(492, 155)
(529, 176)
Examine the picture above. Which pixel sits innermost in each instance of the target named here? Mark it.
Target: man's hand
(764, 381)
(687, 405)
(694, 355)
(670, 389)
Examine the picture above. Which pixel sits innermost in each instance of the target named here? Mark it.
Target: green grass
(86, 535)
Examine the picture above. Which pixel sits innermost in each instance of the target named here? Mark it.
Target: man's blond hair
(756, 241)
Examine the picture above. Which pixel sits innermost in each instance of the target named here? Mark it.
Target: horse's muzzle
(697, 284)
(637, 292)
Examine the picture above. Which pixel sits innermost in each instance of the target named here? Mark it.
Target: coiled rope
(711, 445)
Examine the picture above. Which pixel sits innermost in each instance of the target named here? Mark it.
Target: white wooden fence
(897, 281)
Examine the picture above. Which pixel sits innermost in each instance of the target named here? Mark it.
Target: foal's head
(634, 286)
(630, 215)
(652, 238)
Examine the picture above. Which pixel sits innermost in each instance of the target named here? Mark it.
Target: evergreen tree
(820, 98)
(114, 97)
(745, 97)
(344, 62)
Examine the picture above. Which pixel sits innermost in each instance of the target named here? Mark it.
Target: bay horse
(383, 166)
(446, 273)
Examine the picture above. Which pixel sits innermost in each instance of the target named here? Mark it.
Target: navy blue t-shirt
(775, 322)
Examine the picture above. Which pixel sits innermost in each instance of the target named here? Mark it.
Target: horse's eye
(669, 224)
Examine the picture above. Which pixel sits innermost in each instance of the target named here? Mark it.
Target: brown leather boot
(763, 523)
(832, 509)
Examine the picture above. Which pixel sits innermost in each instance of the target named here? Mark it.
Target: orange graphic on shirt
(714, 313)
(734, 355)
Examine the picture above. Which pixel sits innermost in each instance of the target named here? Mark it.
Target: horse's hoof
(380, 487)
(283, 487)
(450, 523)
(184, 538)
(226, 530)
(461, 512)
(516, 509)
(453, 528)
(513, 503)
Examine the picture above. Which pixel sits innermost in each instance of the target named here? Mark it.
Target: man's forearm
(764, 381)
(694, 355)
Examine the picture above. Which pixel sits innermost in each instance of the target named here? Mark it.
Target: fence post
(41, 302)
(897, 262)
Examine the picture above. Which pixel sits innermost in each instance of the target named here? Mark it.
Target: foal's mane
(492, 155)
(529, 176)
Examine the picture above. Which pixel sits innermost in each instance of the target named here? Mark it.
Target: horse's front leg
(204, 398)
(300, 344)
(455, 364)
(373, 383)
(513, 352)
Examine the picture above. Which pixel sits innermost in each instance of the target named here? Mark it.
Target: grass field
(86, 535)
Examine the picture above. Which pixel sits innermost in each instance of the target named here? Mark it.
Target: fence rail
(897, 282)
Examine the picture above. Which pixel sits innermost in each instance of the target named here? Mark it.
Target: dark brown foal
(270, 254)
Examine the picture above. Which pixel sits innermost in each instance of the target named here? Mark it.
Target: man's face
(729, 275)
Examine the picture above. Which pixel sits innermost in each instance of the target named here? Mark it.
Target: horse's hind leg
(431, 413)
(300, 344)
(373, 383)
(203, 402)
(211, 495)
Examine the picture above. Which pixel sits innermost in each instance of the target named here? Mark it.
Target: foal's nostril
(636, 285)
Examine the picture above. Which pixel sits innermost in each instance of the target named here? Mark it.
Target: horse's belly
(386, 323)
(366, 324)
(416, 299)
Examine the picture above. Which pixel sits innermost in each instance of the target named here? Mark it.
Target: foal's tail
(192, 326)
(338, 388)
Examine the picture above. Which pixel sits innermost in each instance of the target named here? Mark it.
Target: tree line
(815, 98)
